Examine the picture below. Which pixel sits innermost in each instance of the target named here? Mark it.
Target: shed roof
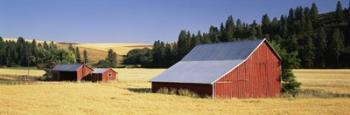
(206, 63)
(67, 67)
(101, 70)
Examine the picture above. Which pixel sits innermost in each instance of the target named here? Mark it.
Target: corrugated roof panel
(222, 51)
(207, 63)
(202, 72)
(99, 70)
(67, 67)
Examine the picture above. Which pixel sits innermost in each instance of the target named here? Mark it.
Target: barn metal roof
(206, 63)
(67, 67)
(99, 70)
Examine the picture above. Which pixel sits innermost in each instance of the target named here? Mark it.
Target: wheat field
(119, 48)
(98, 51)
(130, 94)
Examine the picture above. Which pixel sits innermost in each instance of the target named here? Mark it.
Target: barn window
(110, 75)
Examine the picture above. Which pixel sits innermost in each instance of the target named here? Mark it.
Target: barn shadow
(140, 90)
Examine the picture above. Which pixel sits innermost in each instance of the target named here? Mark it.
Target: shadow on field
(140, 90)
(17, 79)
(322, 94)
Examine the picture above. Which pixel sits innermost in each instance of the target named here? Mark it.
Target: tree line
(22, 53)
(317, 40)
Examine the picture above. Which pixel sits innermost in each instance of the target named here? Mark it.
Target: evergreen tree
(77, 55)
(71, 48)
(34, 52)
(265, 23)
(2, 52)
(182, 44)
(229, 29)
(321, 45)
(214, 34)
(314, 12)
(158, 54)
(52, 45)
(348, 28)
(309, 55)
(45, 45)
(289, 61)
(85, 56)
(292, 43)
(112, 58)
(21, 52)
(253, 32)
(335, 47)
(339, 12)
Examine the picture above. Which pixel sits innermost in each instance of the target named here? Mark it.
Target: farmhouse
(70, 72)
(242, 69)
(103, 74)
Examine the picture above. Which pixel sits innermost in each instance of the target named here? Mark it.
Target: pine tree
(71, 48)
(252, 32)
(314, 11)
(335, 46)
(339, 12)
(214, 34)
(265, 24)
(348, 28)
(321, 45)
(309, 55)
(292, 43)
(182, 44)
(21, 52)
(77, 55)
(45, 45)
(2, 52)
(52, 45)
(229, 29)
(112, 58)
(34, 52)
(167, 55)
(85, 56)
(289, 61)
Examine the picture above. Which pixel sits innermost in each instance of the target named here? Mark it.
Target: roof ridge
(239, 40)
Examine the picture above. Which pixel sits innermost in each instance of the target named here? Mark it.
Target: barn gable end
(258, 76)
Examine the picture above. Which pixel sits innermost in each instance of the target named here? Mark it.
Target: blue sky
(142, 21)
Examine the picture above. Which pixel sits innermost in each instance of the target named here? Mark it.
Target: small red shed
(241, 69)
(70, 72)
(103, 74)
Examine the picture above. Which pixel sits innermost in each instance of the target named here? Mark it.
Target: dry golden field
(98, 51)
(130, 95)
(119, 48)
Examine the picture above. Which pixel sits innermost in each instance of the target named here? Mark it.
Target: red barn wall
(201, 89)
(106, 77)
(82, 72)
(258, 76)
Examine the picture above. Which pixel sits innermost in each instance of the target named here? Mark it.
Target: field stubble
(130, 95)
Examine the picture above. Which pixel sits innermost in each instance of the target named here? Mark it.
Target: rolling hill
(98, 51)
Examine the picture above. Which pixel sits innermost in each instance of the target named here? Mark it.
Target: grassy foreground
(130, 95)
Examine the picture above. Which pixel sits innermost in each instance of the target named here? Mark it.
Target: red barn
(241, 69)
(103, 74)
(71, 72)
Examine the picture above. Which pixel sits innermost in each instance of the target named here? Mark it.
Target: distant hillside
(97, 51)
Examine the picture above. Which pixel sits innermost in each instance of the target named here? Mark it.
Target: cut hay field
(131, 95)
